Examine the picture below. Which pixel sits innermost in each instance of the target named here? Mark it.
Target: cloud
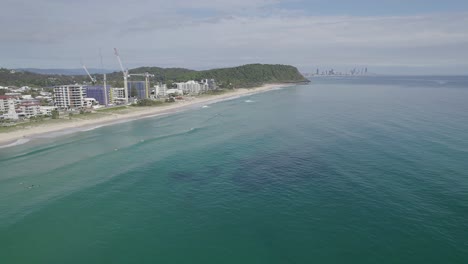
(205, 33)
(354, 39)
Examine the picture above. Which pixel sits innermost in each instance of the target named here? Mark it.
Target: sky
(386, 36)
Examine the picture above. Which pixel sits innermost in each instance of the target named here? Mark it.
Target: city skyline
(415, 37)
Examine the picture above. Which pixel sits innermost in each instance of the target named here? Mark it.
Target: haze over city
(394, 37)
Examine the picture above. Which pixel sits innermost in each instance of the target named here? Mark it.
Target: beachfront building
(193, 87)
(190, 87)
(29, 109)
(208, 85)
(160, 90)
(6, 103)
(99, 93)
(47, 110)
(174, 92)
(69, 96)
(8, 107)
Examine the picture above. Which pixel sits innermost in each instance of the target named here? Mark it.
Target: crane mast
(106, 94)
(125, 74)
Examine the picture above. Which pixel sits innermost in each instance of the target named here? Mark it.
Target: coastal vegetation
(148, 102)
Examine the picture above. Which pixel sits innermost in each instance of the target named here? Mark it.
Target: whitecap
(16, 143)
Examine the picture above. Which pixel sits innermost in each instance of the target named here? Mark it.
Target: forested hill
(25, 78)
(242, 76)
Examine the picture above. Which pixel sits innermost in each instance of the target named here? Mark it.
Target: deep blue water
(344, 170)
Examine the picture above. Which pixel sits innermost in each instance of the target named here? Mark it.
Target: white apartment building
(6, 103)
(190, 87)
(7, 107)
(69, 96)
(160, 90)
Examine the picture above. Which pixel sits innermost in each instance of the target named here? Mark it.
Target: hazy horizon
(80, 71)
(390, 37)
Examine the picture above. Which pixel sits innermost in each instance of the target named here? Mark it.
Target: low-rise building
(89, 102)
(29, 109)
(46, 94)
(47, 110)
(14, 94)
(175, 92)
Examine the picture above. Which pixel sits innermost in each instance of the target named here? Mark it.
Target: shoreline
(23, 136)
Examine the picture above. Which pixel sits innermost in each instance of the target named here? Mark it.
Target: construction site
(133, 90)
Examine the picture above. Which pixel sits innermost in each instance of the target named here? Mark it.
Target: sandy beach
(20, 136)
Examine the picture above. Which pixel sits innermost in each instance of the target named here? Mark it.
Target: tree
(55, 114)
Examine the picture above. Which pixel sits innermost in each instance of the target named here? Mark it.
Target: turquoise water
(345, 170)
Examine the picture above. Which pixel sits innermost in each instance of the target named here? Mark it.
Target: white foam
(16, 143)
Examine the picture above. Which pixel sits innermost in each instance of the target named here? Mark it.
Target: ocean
(342, 170)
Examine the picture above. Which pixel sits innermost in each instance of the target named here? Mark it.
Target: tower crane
(106, 93)
(93, 79)
(125, 75)
(147, 75)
